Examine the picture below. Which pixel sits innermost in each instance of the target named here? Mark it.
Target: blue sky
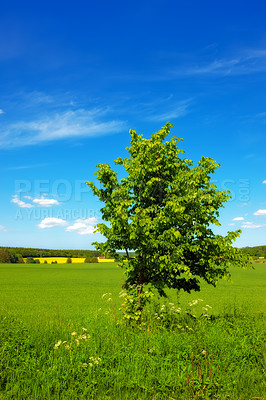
(76, 76)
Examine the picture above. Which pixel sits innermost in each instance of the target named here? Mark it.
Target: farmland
(219, 354)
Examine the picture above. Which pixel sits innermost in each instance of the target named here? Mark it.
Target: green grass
(218, 358)
(68, 291)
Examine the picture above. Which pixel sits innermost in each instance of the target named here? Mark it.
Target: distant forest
(257, 251)
(16, 254)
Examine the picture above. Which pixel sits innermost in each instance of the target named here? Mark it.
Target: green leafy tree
(69, 261)
(91, 260)
(5, 256)
(163, 210)
(30, 260)
(20, 258)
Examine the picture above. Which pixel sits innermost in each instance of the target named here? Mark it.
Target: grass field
(172, 356)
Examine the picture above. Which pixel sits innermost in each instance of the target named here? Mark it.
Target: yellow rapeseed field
(59, 260)
(63, 260)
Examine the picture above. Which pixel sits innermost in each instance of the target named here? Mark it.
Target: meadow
(62, 336)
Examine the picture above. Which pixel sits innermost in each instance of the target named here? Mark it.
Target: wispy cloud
(83, 226)
(260, 212)
(161, 109)
(20, 203)
(261, 115)
(3, 228)
(264, 181)
(67, 124)
(51, 223)
(176, 110)
(238, 219)
(19, 167)
(251, 225)
(1, 111)
(249, 61)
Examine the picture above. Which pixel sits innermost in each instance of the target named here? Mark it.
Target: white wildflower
(57, 344)
(106, 294)
(85, 337)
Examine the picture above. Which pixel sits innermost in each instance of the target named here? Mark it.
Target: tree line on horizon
(255, 251)
(16, 254)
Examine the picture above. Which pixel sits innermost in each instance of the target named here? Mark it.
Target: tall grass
(60, 340)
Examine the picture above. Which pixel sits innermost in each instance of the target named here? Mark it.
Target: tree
(30, 260)
(91, 260)
(69, 261)
(5, 256)
(163, 210)
(19, 258)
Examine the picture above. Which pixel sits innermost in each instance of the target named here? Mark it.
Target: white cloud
(1, 111)
(52, 222)
(42, 201)
(251, 225)
(264, 181)
(238, 219)
(3, 228)
(260, 212)
(83, 226)
(231, 224)
(67, 124)
(21, 203)
(46, 202)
